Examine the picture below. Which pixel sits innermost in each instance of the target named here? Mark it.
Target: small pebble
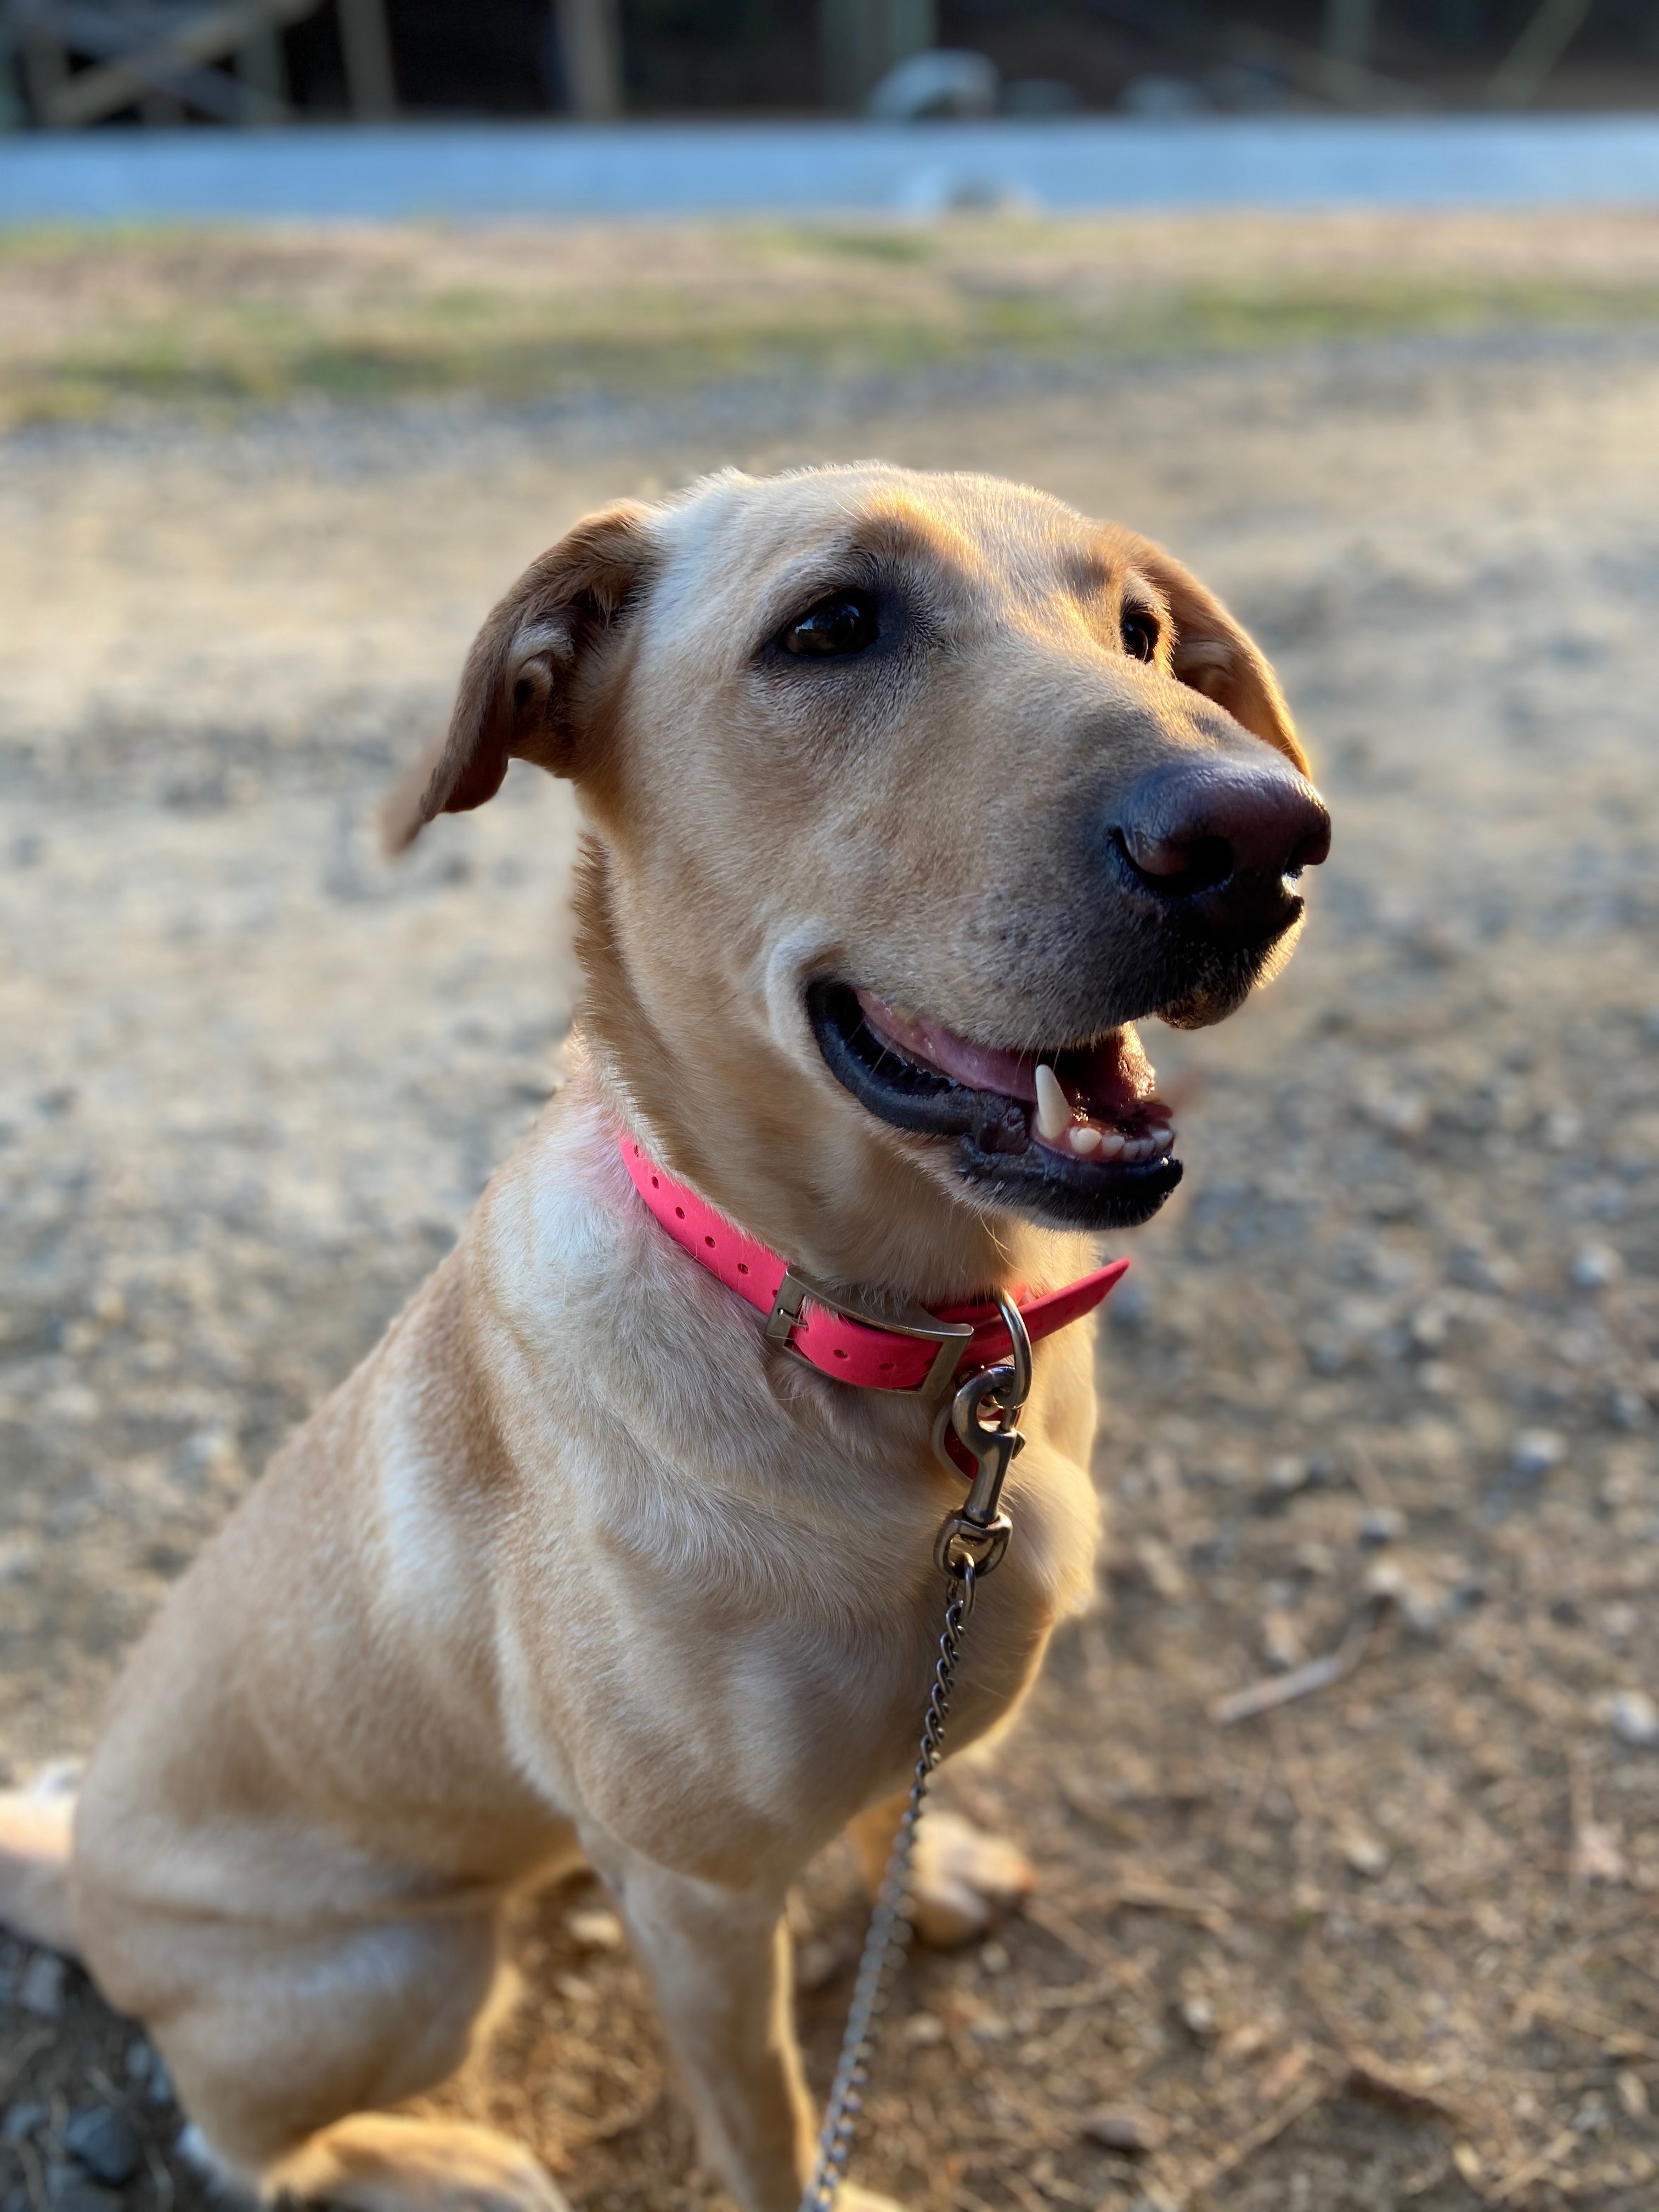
(921, 2031)
(1630, 1409)
(1381, 1524)
(1477, 1269)
(106, 2143)
(1536, 1451)
(1634, 1719)
(1137, 2133)
(1633, 2095)
(990, 2027)
(140, 2060)
(1364, 1854)
(41, 1990)
(1282, 1646)
(816, 1963)
(1594, 1267)
(1160, 1569)
(1286, 1476)
(21, 2121)
(993, 1957)
(1428, 1328)
(1198, 2016)
(596, 1928)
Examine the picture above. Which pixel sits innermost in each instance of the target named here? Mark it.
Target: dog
(905, 796)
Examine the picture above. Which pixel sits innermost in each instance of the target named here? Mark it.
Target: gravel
(254, 1079)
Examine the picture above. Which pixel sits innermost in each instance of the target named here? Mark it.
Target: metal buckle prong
(953, 1337)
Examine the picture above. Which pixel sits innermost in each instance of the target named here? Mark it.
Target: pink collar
(918, 1350)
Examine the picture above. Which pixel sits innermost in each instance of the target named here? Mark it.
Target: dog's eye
(1138, 631)
(842, 623)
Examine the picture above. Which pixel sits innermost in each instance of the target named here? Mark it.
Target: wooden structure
(83, 61)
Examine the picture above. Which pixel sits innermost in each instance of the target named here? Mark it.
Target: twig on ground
(1597, 1853)
(1371, 2077)
(1210, 1909)
(1028, 2195)
(1078, 1940)
(20, 2057)
(1313, 2092)
(34, 2179)
(1320, 1674)
(1617, 2040)
(160, 2177)
(1529, 2169)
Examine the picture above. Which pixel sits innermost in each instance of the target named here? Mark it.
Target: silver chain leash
(970, 1544)
(889, 1936)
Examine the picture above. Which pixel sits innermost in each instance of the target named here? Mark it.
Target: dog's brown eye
(1138, 631)
(844, 622)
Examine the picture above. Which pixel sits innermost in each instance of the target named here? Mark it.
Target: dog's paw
(962, 1880)
(382, 2162)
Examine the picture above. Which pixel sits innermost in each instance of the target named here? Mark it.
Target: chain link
(890, 1932)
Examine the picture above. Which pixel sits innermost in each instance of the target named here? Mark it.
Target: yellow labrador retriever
(905, 796)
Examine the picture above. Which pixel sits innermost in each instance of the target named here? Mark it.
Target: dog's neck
(750, 1142)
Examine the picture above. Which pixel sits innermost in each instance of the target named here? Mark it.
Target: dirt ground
(1385, 1383)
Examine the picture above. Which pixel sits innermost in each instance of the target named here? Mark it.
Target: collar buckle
(951, 1337)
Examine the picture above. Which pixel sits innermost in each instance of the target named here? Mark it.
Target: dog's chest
(725, 1623)
(744, 1659)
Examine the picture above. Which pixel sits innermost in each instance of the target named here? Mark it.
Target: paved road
(807, 168)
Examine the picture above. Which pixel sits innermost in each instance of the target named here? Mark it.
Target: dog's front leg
(718, 1961)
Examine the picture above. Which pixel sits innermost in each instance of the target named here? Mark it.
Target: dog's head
(909, 795)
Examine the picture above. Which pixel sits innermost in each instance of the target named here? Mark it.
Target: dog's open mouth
(1074, 1134)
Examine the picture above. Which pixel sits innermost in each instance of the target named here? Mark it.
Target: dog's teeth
(1137, 1148)
(1054, 1108)
(1111, 1145)
(1161, 1136)
(1083, 1139)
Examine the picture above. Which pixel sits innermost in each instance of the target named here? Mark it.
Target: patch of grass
(97, 321)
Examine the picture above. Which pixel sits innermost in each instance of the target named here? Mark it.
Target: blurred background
(80, 62)
(1346, 1798)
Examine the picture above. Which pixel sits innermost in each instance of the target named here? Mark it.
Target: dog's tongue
(1110, 1078)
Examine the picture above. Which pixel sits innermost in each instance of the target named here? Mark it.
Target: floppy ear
(1218, 658)
(519, 696)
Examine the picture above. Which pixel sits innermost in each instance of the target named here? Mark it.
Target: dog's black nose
(1223, 836)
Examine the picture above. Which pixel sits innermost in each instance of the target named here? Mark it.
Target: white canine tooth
(1085, 1140)
(1111, 1145)
(1054, 1108)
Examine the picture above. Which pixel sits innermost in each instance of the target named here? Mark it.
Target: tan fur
(573, 1566)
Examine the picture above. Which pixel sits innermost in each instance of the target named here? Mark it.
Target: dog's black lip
(995, 1151)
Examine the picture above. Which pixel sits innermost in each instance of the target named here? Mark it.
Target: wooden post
(859, 40)
(1519, 76)
(366, 44)
(589, 33)
(1350, 27)
(261, 65)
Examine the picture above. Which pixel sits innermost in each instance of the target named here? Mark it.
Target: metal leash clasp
(983, 1416)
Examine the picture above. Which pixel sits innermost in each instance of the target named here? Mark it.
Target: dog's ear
(1216, 656)
(520, 696)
